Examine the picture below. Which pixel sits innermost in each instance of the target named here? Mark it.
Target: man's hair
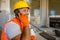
(16, 12)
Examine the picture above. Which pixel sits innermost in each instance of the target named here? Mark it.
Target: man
(18, 27)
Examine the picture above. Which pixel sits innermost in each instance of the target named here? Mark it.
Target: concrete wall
(12, 2)
(55, 5)
(35, 12)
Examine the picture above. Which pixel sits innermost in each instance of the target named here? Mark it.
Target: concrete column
(5, 12)
(44, 12)
(5, 5)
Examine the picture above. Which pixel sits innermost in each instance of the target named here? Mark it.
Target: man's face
(24, 11)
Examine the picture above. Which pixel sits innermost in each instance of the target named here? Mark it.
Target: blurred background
(44, 17)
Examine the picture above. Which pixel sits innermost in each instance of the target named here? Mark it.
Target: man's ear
(16, 14)
(19, 14)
